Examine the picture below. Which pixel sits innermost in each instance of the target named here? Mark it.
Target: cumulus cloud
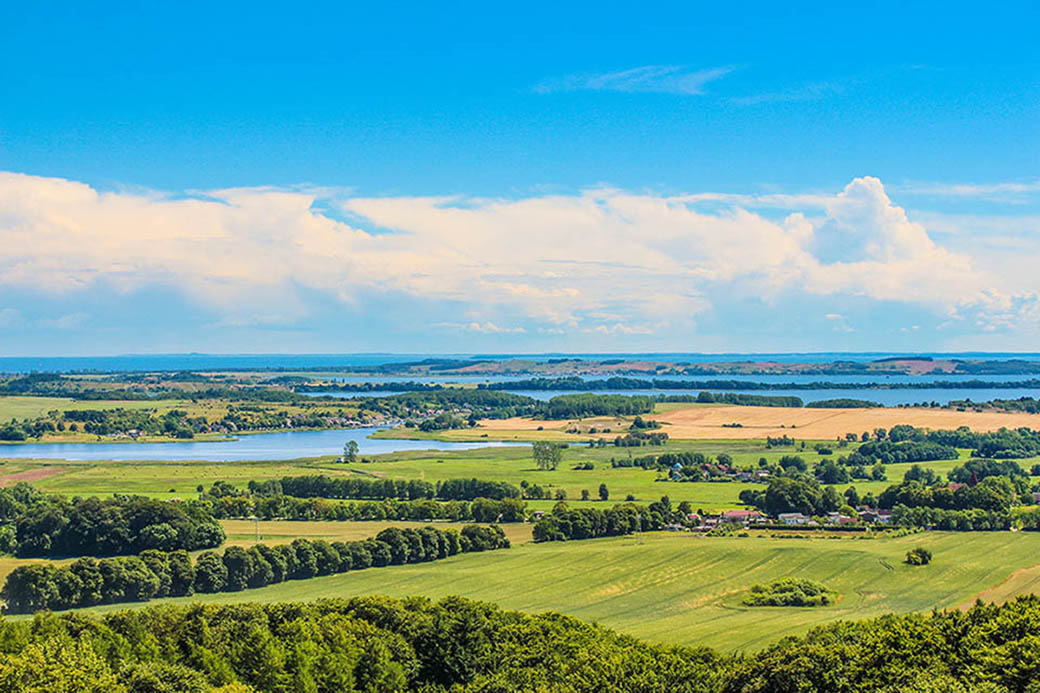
(602, 261)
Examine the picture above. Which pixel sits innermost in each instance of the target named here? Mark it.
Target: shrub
(790, 592)
(918, 557)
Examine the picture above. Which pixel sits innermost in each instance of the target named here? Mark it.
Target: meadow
(180, 479)
(681, 588)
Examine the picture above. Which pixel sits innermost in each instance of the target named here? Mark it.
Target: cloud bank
(602, 262)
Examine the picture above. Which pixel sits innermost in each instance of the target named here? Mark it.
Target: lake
(257, 446)
(890, 398)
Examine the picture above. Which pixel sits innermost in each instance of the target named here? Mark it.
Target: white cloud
(1008, 191)
(667, 79)
(602, 261)
(489, 327)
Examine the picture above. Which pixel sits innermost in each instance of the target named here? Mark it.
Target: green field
(514, 465)
(682, 588)
(244, 532)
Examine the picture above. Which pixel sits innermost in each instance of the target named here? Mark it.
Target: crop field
(717, 422)
(827, 424)
(244, 532)
(681, 588)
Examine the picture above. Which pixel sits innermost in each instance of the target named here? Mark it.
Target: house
(694, 518)
(868, 515)
(793, 518)
(871, 515)
(741, 516)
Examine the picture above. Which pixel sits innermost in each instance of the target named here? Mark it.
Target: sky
(526, 177)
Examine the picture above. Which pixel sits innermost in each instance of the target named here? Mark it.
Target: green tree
(350, 451)
(546, 455)
(604, 494)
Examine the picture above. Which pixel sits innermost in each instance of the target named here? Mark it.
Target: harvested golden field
(715, 422)
(823, 424)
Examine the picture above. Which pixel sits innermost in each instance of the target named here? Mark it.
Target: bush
(790, 592)
(918, 557)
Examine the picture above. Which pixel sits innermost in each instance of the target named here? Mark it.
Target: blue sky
(481, 177)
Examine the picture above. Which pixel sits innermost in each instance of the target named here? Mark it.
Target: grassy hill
(687, 589)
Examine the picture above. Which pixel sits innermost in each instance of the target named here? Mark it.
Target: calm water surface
(258, 446)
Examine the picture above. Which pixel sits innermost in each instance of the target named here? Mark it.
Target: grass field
(514, 465)
(243, 532)
(681, 588)
(500, 464)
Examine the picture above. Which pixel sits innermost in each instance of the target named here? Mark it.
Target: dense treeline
(966, 520)
(986, 648)
(579, 406)
(738, 399)
(976, 470)
(290, 508)
(484, 403)
(588, 523)
(155, 574)
(42, 525)
(995, 493)
(578, 384)
(793, 495)
(844, 403)
(1029, 405)
(1006, 443)
(378, 644)
(888, 452)
(321, 486)
(371, 644)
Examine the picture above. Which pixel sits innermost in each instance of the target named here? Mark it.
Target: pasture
(180, 479)
(686, 589)
(244, 532)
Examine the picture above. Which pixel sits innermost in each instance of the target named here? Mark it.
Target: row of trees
(292, 508)
(322, 486)
(154, 574)
(969, 520)
(588, 404)
(995, 493)
(587, 523)
(1006, 443)
(45, 525)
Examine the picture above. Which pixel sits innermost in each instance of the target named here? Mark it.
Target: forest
(381, 644)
